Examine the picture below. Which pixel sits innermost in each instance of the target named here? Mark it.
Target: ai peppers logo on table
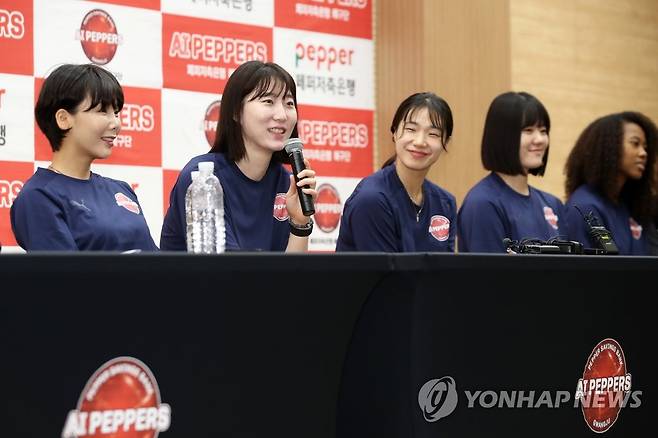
(604, 386)
(121, 399)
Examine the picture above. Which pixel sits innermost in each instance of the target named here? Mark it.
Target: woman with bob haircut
(396, 209)
(67, 207)
(610, 173)
(258, 113)
(503, 205)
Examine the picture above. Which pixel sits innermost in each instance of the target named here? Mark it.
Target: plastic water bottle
(207, 207)
(188, 211)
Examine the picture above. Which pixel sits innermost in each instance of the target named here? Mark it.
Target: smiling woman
(68, 207)
(610, 172)
(258, 113)
(396, 209)
(503, 205)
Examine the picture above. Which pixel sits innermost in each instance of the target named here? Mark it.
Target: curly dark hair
(597, 154)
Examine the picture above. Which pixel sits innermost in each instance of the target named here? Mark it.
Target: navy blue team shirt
(54, 212)
(626, 231)
(249, 207)
(380, 216)
(493, 211)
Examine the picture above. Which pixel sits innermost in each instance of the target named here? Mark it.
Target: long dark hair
(254, 77)
(439, 112)
(597, 154)
(509, 113)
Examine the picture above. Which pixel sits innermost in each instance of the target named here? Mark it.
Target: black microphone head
(293, 144)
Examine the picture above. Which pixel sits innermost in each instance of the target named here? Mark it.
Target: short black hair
(508, 114)
(254, 77)
(598, 153)
(439, 113)
(66, 88)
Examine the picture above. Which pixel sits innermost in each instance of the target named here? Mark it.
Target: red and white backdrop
(173, 58)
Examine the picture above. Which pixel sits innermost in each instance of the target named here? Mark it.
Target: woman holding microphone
(262, 212)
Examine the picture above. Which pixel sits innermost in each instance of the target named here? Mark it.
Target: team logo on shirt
(440, 227)
(121, 399)
(280, 211)
(327, 208)
(604, 385)
(636, 229)
(550, 217)
(98, 36)
(126, 202)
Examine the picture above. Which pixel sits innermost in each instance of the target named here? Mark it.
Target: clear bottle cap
(206, 167)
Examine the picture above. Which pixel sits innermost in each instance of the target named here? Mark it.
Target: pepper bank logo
(438, 398)
(120, 399)
(328, 208)
(210, 121)
(98, 36)
(604, 386)
(323, 57)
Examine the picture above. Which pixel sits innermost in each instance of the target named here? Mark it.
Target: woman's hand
(306, 178)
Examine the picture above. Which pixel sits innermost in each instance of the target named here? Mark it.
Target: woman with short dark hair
(258, 113)
(610, 173)
(67, 207)
(397, 209)
(503, 205)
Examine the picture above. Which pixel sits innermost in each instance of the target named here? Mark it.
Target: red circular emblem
(210, 122)
(98, 36)
(121, 399)
(550, 217)
(328, 208)
(604, 384)
(440, 227)
(280, 211)
(636, 229)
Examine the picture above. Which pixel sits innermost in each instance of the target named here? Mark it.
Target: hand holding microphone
(305, 191)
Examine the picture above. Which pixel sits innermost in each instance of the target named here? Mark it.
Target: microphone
(599, 234)
(293, 147)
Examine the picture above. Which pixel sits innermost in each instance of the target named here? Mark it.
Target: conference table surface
(325, 345)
